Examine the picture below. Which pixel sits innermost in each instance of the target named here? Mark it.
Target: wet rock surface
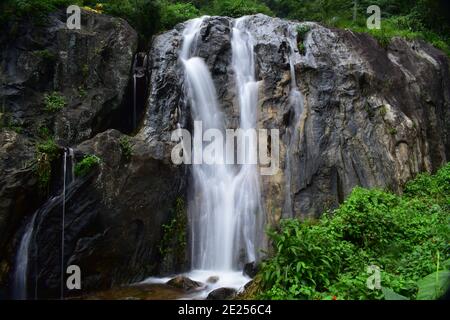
(222, 294)
(182, 282)
(372, 116)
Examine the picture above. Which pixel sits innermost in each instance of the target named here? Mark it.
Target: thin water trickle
(296, 104)
(19, 290)
(22, 268)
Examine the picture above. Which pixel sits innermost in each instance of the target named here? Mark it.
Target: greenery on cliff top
(406, 236)
(424, 19)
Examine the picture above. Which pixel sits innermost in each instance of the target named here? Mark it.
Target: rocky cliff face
(372, 116)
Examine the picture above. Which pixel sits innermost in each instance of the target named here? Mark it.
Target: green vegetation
(412, 19)
(46, 152)
(174, 239)
(45, 55)
(406, 236)
(54, 102)
(417, 19)
(7, 121)
(86, 165)
(126, 147)
(175, 13)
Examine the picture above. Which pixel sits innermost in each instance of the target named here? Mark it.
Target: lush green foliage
(406, 236)
(54, 102)
(424, 19)
(238, 8)
(174, 13)
(126, 147)
(46, 152)
(174, 239)
(85, 166)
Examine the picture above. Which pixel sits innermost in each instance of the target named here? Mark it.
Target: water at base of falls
(226, 279)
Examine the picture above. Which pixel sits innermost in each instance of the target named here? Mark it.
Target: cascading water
(225, 208)
(296, 103)
(68, 176)
(248, 208)
(211, 209)
(19, 290)
(22, 268)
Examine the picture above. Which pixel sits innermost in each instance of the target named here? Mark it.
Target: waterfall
(68, 177)
(225, 204)
(19, 284)
(296, 104)
(22, 268)
(248, 207)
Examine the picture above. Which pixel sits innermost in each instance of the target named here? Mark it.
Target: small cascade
(248, 207)
(139, 75)
(19, 283)
(296, 105)
(20, 287)
(68, 178)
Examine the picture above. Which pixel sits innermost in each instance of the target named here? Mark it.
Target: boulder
(222, 294)
(184, 283)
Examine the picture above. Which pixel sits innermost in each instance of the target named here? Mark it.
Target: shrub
(238, 8)
(302, 30)
(47, 152)
(174, 13)
(54, 102)
(406, 236)
(126, 147)
(86, 165)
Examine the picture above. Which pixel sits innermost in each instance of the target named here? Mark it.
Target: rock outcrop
(372, 116)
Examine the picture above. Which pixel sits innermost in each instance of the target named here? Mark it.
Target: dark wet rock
(184, 283)
(114, 218)
(251, 269)
(212, 279)
(90, 68)
(222, 294)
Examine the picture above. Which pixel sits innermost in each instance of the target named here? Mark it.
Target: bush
(126, 147)
(47, 152)
(86, 165)
(54, 102)
(238, 8)
(174, 13)
(406, 236)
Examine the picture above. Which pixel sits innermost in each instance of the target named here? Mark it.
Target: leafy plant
(406, 236)
(54, 102)
(47, 152)
(174, 239)
(302, 30)
(126, 147)
(174, 13)
(86, 165)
